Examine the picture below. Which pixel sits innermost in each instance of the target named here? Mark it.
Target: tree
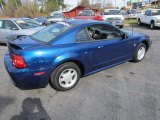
(84, 2)
(109, 5)
(53, 5)
(2, 4)
(15, 3)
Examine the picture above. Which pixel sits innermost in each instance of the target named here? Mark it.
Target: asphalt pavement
(130, 91)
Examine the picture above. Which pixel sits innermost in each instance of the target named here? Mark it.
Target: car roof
(13, 18)
(83, 22)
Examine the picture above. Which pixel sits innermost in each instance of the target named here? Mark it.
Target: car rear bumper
(25, 78)
(117, 23)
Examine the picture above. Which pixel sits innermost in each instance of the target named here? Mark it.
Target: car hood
(157, 17)
(24, 42)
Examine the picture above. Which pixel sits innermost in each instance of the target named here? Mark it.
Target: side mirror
(14, 29)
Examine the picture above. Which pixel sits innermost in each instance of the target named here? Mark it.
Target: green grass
(131, 21)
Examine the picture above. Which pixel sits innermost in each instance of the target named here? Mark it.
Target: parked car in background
(56, 16)
(132, 14)
(64, 52)
(41, 20)
(124, 14)
(89, 15)
(114, 17)
(150, 17)
(13, 28)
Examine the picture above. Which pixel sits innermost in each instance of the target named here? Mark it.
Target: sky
(74, 3)
(119, 3)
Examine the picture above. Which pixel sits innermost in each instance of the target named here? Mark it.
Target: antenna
(132, 29)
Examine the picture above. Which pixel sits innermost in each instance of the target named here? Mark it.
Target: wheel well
(78, 63)
(152, 21)
(146, 43)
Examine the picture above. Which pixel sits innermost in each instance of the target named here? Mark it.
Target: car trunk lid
(23, 43)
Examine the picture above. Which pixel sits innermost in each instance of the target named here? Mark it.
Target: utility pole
(115, 4)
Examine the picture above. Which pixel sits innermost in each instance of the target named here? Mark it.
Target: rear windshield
(49, 33)
(85, 13)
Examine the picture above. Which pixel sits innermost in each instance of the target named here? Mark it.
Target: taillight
(99, 18)
(18, 61)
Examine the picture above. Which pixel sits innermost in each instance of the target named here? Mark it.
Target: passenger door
(109, 46)
(148, 17)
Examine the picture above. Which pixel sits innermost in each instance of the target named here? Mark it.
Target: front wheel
(152, 25)
(65, 76)
(139, 53)
(121, 26)
(139, 22)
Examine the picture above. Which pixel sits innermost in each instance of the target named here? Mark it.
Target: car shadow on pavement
(4, 102)
(3, 44)
(32, 109)
(144, 26)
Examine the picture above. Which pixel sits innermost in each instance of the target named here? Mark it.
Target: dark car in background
(64, 52)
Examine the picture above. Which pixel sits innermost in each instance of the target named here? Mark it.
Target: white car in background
(114, 17)
(56, 16)
(132, 14)
(150, 17)
(124, 14)
(13, 28)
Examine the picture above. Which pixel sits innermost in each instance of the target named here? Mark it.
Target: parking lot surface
(130, 91)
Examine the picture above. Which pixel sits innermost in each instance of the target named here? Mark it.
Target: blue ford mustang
(62, 53)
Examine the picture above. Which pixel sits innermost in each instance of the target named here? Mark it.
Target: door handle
(100, 46)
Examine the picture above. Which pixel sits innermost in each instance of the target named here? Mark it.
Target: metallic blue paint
(45, 57)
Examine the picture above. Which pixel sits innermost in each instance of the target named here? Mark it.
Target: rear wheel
(65, 76)
(121, 26)
(139, 53)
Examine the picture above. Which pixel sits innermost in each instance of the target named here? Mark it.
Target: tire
(152, 25)
(137, 56)
(121, 26)
(65, 76)
(139, 22)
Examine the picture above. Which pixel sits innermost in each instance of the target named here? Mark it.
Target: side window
(150, 13)
(9, 25)
(1, 24)
(82, 36)
(103, 32)
(146, 13)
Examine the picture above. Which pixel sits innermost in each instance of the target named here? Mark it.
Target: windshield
(85, 13)
(155, 12)
(27, 23)
(49, 33)
(112, 12)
